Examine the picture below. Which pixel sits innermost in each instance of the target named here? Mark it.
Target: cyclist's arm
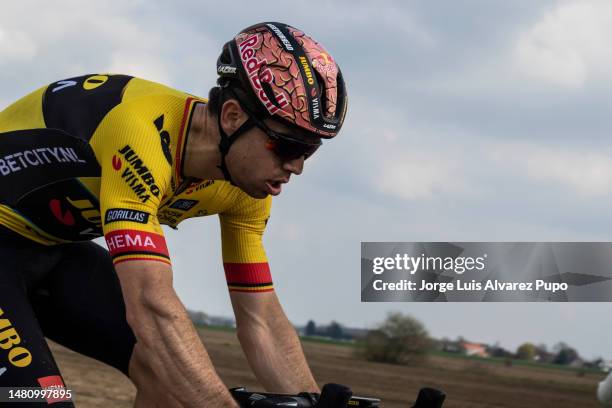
(169, 362)
(271, 344)
(269, 340)
(168, 355)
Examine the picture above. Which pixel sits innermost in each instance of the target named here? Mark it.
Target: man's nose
(295, 166)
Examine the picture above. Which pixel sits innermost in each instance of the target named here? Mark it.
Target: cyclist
(116, 156)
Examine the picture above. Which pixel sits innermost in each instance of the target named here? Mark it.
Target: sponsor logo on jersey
(130, 239)
(199, 186)
(257, 75)
(63, 84)
(84, 207)
(90, 213)
(169, 217)
(117, 163)
(94, 81)
(54, 383)
(184, 205)
(164, 137)
(133, 242)
(124, 214)
(13, 163)
(136, 175)
(63, 216)
(18, 356)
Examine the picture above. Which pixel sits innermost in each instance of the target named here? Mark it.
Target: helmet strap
(226, 142)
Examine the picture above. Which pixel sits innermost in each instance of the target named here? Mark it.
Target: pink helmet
(288, 76)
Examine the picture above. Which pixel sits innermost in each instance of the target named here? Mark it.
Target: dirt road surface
(469, 384)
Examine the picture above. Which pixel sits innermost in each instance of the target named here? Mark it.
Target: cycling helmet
(285, 75)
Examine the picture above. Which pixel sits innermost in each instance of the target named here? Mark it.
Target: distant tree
(439, 344)
(564, 354)
(543, 355)
(526, 351)
(198, 318)
(311, 328)
(335, 331)
(497, 350)
(400, 339)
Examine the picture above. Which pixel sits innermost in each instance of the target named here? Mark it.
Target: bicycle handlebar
(332, 396)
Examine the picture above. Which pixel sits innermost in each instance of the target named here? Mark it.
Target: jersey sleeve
(244, 258)
(135, 177)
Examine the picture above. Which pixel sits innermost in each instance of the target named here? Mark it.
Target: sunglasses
(287, 147)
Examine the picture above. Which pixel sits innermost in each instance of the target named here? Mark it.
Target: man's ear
(232, 116)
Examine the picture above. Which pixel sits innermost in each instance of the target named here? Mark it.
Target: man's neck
(202, 154)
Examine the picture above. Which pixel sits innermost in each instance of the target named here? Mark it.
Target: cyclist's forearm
(275, 354)
(169, 349)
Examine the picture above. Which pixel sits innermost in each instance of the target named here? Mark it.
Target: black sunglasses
(284, 146)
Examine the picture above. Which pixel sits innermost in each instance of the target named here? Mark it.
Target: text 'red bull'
(253, 67)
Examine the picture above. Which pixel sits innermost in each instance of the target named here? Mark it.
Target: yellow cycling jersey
(101, 155)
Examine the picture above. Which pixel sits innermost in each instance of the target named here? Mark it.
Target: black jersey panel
(64, 209)
(34, 158)
(78, 105)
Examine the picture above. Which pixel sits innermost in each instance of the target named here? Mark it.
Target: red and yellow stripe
(248, 277)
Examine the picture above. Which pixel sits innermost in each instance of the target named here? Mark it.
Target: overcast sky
(468, 120)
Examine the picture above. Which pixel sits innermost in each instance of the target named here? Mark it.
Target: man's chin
(259, 195)
(255, 193)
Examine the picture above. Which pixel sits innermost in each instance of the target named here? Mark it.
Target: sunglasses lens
(290, 150)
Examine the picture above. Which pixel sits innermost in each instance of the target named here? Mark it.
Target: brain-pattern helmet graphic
(288, 73)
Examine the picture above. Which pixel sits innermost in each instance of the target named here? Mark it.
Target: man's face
(256, 168)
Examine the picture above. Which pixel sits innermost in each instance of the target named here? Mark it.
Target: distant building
(450, 346)
(474, 349)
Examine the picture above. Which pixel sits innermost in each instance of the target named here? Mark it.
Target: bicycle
(332, 396)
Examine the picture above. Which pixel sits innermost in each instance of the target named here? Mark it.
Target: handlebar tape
(334, 395)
